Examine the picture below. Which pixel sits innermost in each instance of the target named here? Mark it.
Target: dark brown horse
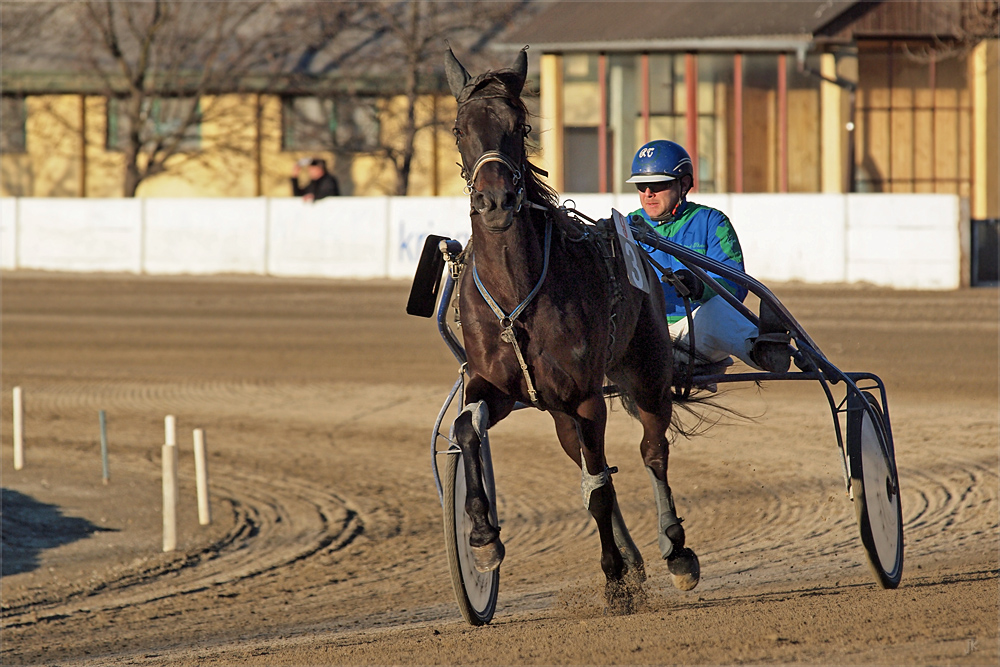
(547, 313)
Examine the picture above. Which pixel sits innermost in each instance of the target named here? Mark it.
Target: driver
(663, 174)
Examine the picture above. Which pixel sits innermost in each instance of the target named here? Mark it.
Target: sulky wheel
(476, 592)
(876, 488)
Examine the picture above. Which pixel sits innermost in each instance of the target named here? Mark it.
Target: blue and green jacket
(706, 231)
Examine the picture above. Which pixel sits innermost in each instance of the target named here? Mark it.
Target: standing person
(321, 182)
(663, 174)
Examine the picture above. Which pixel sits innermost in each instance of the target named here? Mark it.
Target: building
(802, 96)
(287, 80)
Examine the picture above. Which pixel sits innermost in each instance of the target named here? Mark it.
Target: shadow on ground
(29, 527)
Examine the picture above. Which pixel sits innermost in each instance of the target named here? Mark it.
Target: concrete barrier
(332, 238)
(895, 240)
(412, 219)
(791, 237)
(908, 241)
(8, 233)
(204, 236)
(79, 235)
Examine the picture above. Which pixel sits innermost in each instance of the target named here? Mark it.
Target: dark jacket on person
(325, 186)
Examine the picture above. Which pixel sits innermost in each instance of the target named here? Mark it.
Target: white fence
(903, 241)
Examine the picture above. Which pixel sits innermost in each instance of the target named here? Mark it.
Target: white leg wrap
(590, 483)
(480, 417)
(666, 512)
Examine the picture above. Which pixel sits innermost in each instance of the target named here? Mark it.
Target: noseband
(495, 156)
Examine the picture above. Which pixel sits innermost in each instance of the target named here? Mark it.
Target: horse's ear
(521, 68)
(457, 75)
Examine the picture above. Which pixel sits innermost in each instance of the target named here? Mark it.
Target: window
(582, 118)
(913, 122)
(323, 124)
(667, 97)
(12, 117)
(307, 124)
(164, 118)
(358, 129)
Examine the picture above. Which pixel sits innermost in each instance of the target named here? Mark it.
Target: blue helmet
(660, 160)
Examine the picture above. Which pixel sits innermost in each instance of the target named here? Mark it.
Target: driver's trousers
(720, 331)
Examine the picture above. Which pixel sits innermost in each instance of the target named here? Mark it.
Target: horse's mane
(501, 83)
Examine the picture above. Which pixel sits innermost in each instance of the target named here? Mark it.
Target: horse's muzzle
(497, 208)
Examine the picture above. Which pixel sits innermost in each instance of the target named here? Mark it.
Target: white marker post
(170, 430)
(170, 486)
(18, 429)
(201, 478)
(106, 473)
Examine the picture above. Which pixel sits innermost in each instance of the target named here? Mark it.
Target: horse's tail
(694, 413)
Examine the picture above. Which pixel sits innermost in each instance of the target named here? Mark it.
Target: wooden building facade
(776, 96)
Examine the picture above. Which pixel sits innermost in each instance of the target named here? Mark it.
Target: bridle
(506, 321)
(496, 156)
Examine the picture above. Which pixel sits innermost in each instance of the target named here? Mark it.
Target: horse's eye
(457, 132)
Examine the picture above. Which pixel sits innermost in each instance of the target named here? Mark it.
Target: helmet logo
(647, 152)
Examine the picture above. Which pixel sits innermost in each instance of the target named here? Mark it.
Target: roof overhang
(778, 43)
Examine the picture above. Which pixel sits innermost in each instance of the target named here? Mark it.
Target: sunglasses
(659, 186)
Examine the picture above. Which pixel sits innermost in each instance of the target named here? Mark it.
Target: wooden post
(602, 127)
(738, 121)
(782, 122)
(170, 430)
(691, 113)
(201, 478)
(169, 497)
(170, 484)
(102, 417)
(18, 429)
(644, 76)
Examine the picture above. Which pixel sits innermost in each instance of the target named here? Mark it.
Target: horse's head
(489, 129)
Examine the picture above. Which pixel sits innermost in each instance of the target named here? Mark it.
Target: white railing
(904, 241)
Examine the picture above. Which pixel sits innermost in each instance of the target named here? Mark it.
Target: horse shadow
(28, 527)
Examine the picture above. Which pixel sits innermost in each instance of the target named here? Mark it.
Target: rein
(507, 321)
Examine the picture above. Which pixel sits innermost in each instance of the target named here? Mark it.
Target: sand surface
(318, 398)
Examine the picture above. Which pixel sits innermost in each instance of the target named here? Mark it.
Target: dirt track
(318, 398)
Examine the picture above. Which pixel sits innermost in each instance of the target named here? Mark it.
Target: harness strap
(507, 321)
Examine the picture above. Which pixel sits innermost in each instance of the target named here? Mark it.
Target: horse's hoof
(489, 556)
(685, 571)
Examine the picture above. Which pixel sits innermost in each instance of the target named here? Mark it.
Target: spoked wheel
(476, 592)
(876, 488)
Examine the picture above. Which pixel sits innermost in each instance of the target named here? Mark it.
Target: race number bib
(630, 251)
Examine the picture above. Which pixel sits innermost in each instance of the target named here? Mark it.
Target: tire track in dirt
(948, 506)
(273, 524)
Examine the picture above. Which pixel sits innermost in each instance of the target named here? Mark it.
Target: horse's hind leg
(569, 437)
(681, 561)
(582, 437)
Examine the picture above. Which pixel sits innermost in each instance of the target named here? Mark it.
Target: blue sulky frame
(860, 419)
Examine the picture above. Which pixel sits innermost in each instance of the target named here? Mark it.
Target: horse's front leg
(682, 562)
(483, 401)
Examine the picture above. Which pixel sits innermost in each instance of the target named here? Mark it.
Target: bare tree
(402, 43)
(160, 61)
(419, 30)
(163, 66)
(961, 26)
